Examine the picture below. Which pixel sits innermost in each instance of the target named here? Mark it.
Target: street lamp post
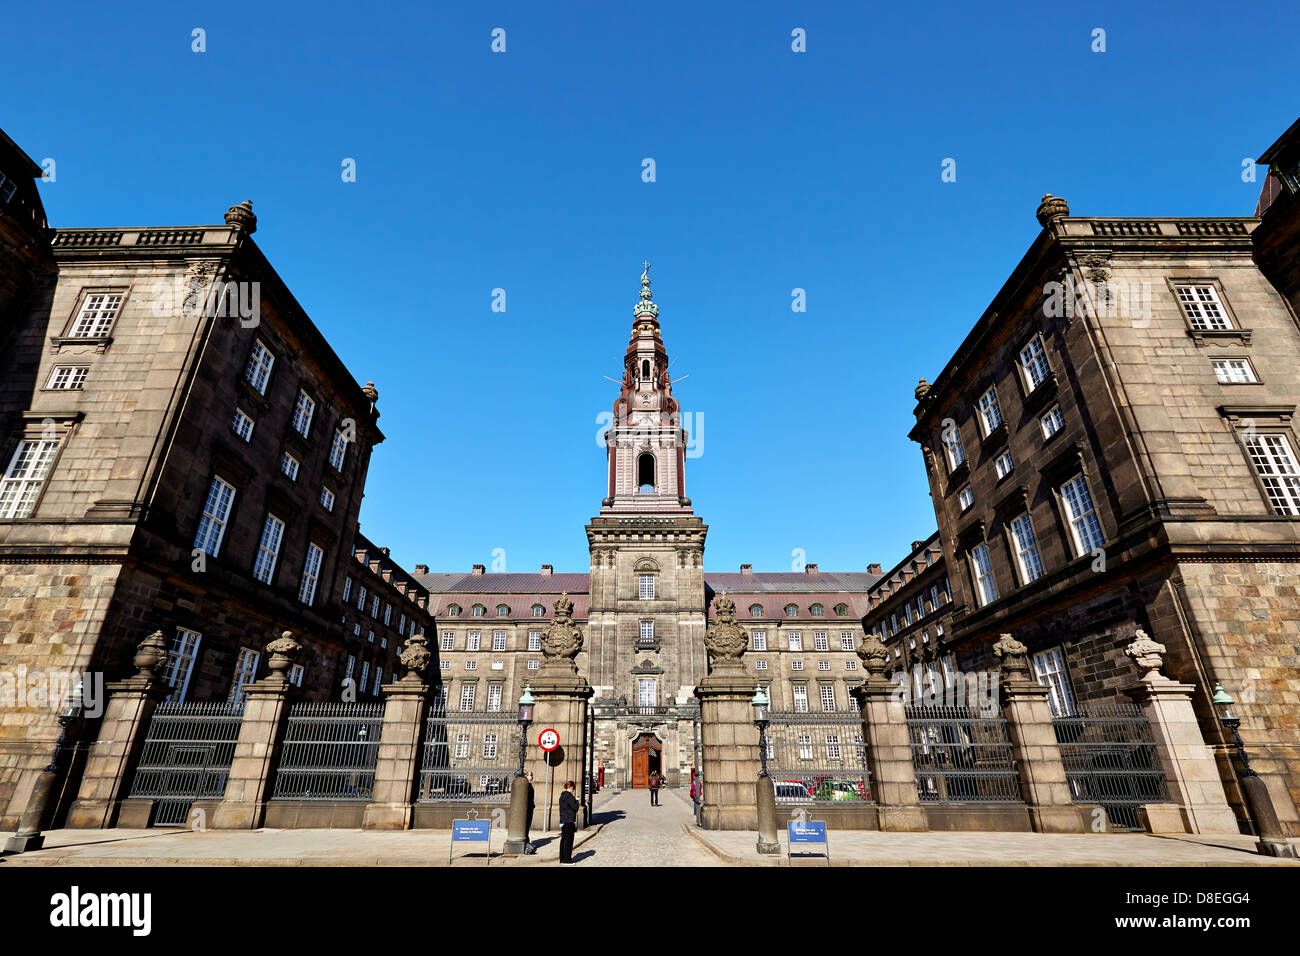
(517, 817)
(765, 791)
(42, 802)
(1272, 840)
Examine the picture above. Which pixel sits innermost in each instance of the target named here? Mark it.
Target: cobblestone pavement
(637, 834)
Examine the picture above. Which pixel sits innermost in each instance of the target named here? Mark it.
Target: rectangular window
(370, 636)
(472, 641)
(268, 549)
(828, 696)
(467, 697)
(490, 746)
(990, 411)
(823, 665)
(760, 640)
(796, 641)
(1052, 422)
(310, 574)
(296, 674)
(953, 447)
(245, 672)
(1003, 464)
(805, 747)
(338, 449)
(647, 632)
(499, 640)
(820, 641)
(374, 606)
(242, 425)
(1275, 463)
(302, 414)
(983, 572)
(401, 625)
(216, 512)
(850, 665)
(1034, 362)
(760, 665)
(645, 692)
(646, 587)
(25, 477)
(180, 663)
(327, 499)
(1204, 310)
(471, 665)
(846, 641)
(494, 698)
(534, 640)
(361, 598)
(498, 665)
(1231, 371)
(260, 363)
(66, 378)
(388, 614)
(832, 746)
(796, 665)
(379, 680)
(965, 498)
(289, 465)
(462, 740)
(1022, 532)
(800, 699)
(533, 665)
(1082, 517)
(448, 641)
(96, 315)
(1049, 669)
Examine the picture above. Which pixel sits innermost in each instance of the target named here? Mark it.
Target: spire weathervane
(646, 306)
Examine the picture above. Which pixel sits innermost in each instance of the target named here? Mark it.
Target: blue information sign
(807, 832)
(480, 830)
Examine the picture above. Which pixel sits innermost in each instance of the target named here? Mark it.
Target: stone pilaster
(252, 772)
(406, 706)
(562, 700)
(730, 745)
(889, 755)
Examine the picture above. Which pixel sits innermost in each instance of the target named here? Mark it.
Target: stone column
(1191, 773)
(406, 704)
(1043, 784)
(889, 746)
(113, 756)
(257, 751)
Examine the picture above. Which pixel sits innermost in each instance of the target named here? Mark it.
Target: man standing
(654, 788)
(528, 820)
(568, 823)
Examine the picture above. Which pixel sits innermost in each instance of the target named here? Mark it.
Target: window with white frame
(1232, 371)
(296, 674)
(1003, 464)
(756, 610)
(216, 512)
(1033, 360)
(180, 663)
(462, 739)
(98, 310)
(1274, 462)
(647, 632)
(498, 640)
(539, 611)
(1052, 422)
(795, 641)
(645, 587)
(361, 598)
(1201, 304)
(401, 625)
(467, 696)
(828, 695)
(534, 640)
(490, 746)
(245, 672)
(760, 640)
(1049, 669)
(67, 378)
(760, 665)
(533, 665)
(260, 363)
(990, 411)
(472, 640)
(823, 665)
(805, 747)
(478, 610)
(494, 698)
(791, 610)
(800, 698)
(1022, 533)
(965, 498)
(302, 413)
(796, 665)
(388, 614)
(846, 641)
(645, 692)
(379, 680)
(356, 629)
(850, 665)
(820, 641)
(268, 549)
(310, 574)
(453, 610)
(832, 746)
(952, 446)
(289, 465)
(327, 499)
(25, 476)
(817, 610)
(374, 605)
(242, 425)
(1083, 519)
(503, 610)
(338, 450)
(448, 640)
(982, 570)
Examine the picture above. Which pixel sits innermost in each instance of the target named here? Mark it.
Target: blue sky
(522, 170)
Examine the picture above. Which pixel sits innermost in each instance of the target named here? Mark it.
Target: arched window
(503, 610)
(816, 610)
(645, 474)
(479, 610)
(756, 610)
(538, 610)
(791, 611)
(841, 609)
(645, 370)
(453, 610)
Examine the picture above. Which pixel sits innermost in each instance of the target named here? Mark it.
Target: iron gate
(329, 751)
(961, 757)
(817, 757)
(468, 755)
(1110, 760)
(187, 753)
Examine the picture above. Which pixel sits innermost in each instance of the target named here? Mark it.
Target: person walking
(654, 788)
(568, 823)
(696, 788)
(528, 820)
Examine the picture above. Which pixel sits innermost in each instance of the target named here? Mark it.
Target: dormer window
(791, 610)
(756, 610)
(453, 610)
(816, 610)
(841, 609)
(479, 610)
(503, 610)
(538, 610)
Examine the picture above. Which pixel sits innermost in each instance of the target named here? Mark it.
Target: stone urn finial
(415, 658)
(1148, 655)
(922, 390)
(151, 656)
(1052, 207)
(1013, 655)
(371, 393)
(284, 651)
(874, 654)
(241, 215)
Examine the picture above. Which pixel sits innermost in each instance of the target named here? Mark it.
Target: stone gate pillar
(257, 751)
(406, 704)
(889, 746)
(1191, 774)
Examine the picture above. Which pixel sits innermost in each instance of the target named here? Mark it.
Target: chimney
(810, 569)
(385, 551)
(874, 569)
(421, 569)
(916, 545)
(478, 569)
(547, 570)
(746, 569)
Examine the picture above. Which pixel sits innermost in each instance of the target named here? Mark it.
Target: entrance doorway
(646, 750)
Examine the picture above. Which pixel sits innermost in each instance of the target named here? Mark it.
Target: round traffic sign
(548, 740)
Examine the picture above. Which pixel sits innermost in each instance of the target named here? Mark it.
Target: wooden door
(640, 765)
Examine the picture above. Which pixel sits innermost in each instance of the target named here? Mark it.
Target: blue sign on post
(471, 831)
(804, 833)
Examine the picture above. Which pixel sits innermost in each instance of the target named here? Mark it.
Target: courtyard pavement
(627, 831)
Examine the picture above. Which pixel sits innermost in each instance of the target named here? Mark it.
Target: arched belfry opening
(645, 370)
(645, 474)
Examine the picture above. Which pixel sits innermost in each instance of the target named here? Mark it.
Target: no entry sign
(548, 740)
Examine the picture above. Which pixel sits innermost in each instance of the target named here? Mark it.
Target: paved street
(637, 834)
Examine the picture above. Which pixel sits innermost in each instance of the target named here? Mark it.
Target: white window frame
(180, 663)
(338, 450)
(498, 640)
(534, 640)
(1050, 672)
(95, 318)
(245, 672)
(1274, 462)
(494, 699)
(1205, 312)
(847, 641)
(647, 632)
(794, 640)
(25, 478)
(1026, 547)
(965, 498)
(1234, 371)
(990, 412)
(311, 566)
(954, 450)
(760, 640)
(1033, 363)
(290, 466)
(327, 499)
(646, 587)
(490, 742)
(467, 692)
(67, 378)
(821, 641)
(268, 549)
(1082, 520)
(473, 640)
(832, 746)
(447, 641)
(242, 424)
(982, 574)
(1004, 465)
(1051, 422)
(805, 747)
(216, 514)
(258, 371)
(303, 410)
(800, 695)
(647, 690)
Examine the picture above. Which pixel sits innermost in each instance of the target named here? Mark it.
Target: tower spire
(646, 307)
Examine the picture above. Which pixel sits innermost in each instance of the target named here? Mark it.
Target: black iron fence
(818, 757)
(468, 755)
(187, 753)
(1110, 759)
(329, 751)
(961, 757)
